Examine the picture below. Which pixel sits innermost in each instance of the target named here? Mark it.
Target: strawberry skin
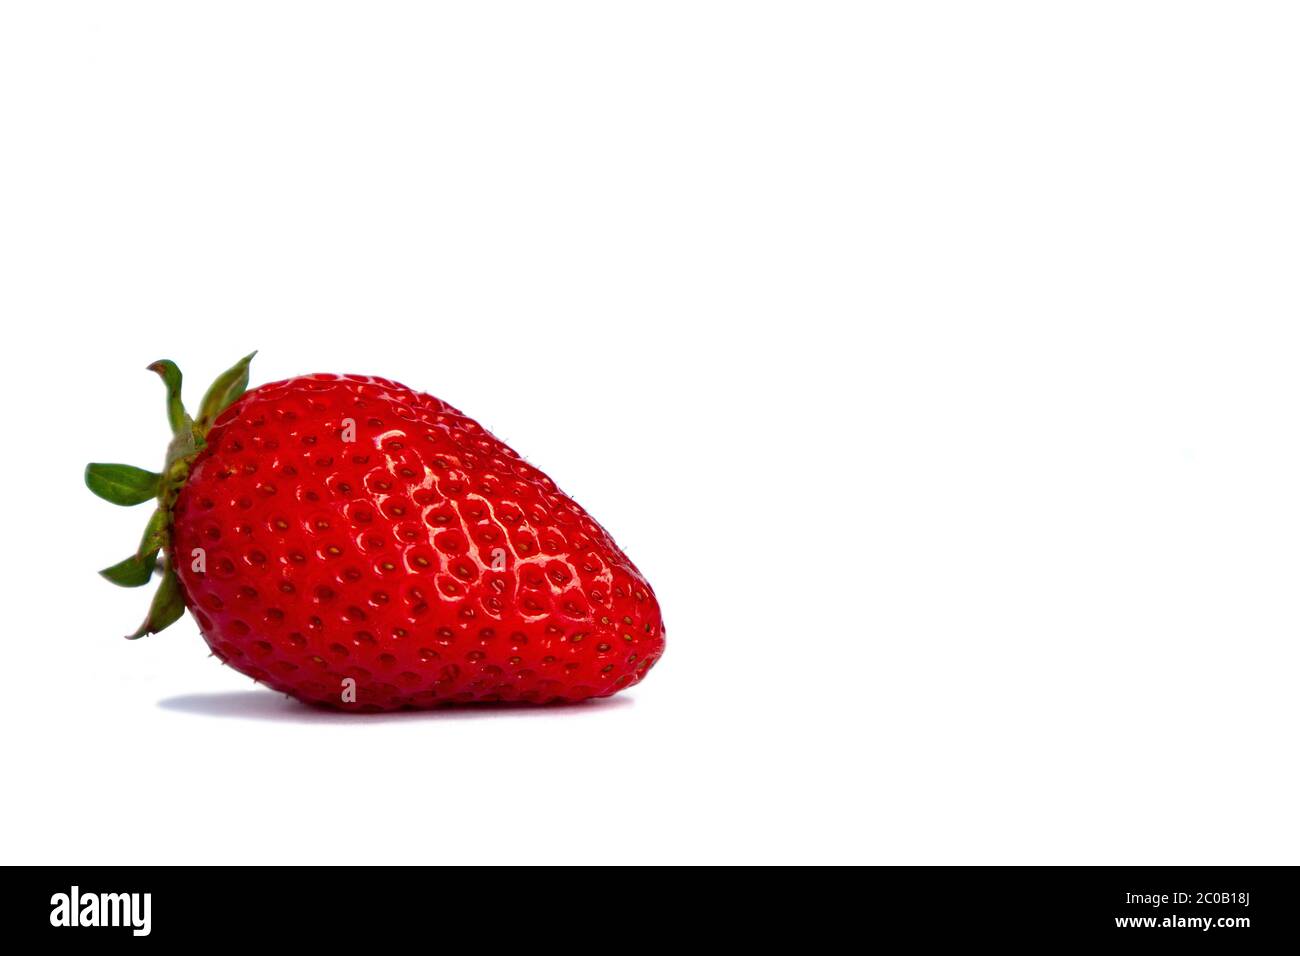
(343, 535)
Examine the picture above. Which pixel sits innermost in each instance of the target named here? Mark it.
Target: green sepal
(122, 484)
(155, 532)
(225, 391)
(167, 607)
(177, 417)
(132, 572)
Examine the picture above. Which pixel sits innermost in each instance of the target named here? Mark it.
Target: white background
(936, 362)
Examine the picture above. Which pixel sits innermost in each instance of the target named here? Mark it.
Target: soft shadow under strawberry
(267, 705)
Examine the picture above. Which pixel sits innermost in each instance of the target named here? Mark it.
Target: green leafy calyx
(127, 485)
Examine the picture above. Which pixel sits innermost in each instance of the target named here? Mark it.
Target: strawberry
(357, 544)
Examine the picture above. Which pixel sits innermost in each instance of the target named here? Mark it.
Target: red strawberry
(354, 543)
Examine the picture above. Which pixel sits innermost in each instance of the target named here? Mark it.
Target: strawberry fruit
(357, 544)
